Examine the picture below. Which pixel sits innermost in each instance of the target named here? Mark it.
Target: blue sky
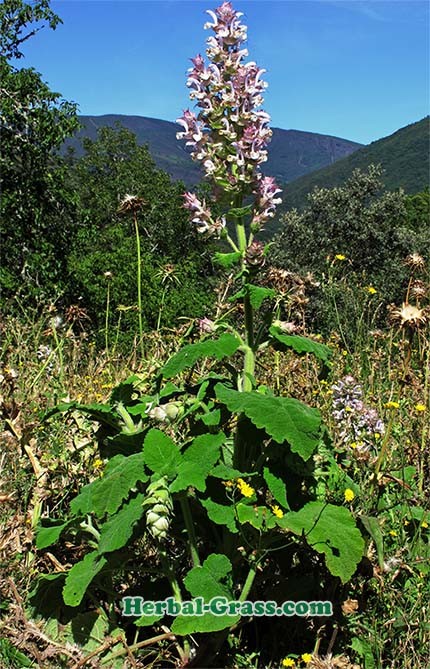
(349, 68)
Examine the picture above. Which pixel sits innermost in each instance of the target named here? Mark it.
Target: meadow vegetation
(191, 412)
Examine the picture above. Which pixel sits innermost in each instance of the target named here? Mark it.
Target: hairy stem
(188, 520)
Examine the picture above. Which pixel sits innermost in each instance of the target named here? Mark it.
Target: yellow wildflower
(392, 405)
(288, 662)
(277, 511)
(306, 657)
(420, 407)
(393, 533)
(377, 435)
(344, 352)
(228, 484)
(349, 495)
(245, 488)
(97, 463)
(339, 256)
(371, 290)
(424, 524)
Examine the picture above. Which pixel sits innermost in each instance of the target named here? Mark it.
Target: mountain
(404, 155)
(292, 153)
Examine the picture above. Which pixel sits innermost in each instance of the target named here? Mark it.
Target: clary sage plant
(211, 481)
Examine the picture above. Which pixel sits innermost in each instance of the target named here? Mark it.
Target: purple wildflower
(358, 423)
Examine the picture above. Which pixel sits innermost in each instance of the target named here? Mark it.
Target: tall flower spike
(229, 133)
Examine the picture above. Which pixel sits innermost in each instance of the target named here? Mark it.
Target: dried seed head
(415, 261)
(418, 289)
(408, 316)
(131, 203)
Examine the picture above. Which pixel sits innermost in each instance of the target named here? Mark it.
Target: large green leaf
(197, 461)
(277, 487)
(259, 517)
(105, 495)
(207, 581)
(46, 536)
(257, 295)
(283, 418)
(161, 454)
(301, 344)
(330, 530)
(220, 348)
(116, 532)
(374, 529)
(227, 259)
(221, 514)
(80, 576)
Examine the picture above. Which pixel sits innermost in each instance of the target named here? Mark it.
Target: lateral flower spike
(160, 508)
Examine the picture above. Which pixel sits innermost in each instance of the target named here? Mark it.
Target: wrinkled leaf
(283, 418)
(301, 344)
(116, 532)
(80, 576)
(330, 530)
(220, 348)
(161, 454)
(106, 494)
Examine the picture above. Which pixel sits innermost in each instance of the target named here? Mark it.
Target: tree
(36, 204)
(374, 231)
(175, 266)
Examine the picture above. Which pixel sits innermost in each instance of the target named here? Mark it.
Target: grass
(382, 617)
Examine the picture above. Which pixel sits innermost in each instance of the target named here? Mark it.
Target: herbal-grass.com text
(221, 606)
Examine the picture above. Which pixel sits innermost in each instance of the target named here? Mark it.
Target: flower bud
(160, 507)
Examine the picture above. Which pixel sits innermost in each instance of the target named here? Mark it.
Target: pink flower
(229, 133)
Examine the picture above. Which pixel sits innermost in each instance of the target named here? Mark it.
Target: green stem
(176, 594)
(107, 319)
(160, 310)
(232, 244)
(383, 450)
(139, 285)
(59, 350)
(188, 520)
(248, 583)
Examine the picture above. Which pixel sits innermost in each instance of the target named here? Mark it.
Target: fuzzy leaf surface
(116, 532)
(197, 461)
(46, 536)
(220, 348)
(301, 344)
(160, 453)
(227, 259)
(259, 517)
(220, 514)
(276, 487)
(283, 418)
(257, 295)
(207, 581)
(106, 494)
(80, 576)
(331, 530)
